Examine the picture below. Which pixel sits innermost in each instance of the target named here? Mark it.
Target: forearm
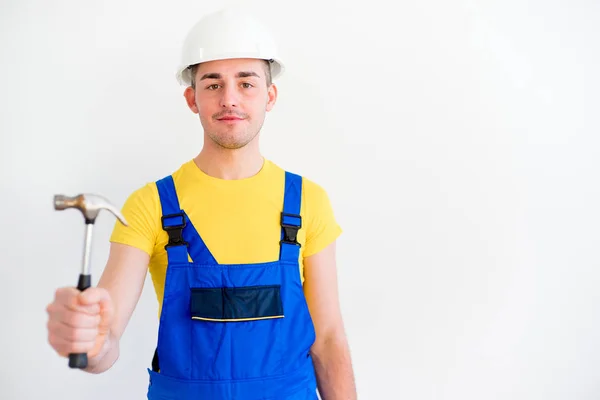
(333, 368)
(106, 358)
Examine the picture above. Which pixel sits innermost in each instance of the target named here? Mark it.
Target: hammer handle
(79, 360)
(85, 281)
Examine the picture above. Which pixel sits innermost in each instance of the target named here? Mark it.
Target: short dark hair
(194, 68)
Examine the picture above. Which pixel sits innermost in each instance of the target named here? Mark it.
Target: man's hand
(79, 322)
(94, 320)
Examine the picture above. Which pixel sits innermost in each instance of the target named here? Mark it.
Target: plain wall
(458, 141)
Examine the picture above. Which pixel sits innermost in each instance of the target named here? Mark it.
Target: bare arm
(123, 280)
(331, 353)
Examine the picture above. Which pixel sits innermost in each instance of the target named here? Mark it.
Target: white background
(458, 141)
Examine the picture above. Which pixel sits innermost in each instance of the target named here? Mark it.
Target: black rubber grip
(80, 360)
(85, 281)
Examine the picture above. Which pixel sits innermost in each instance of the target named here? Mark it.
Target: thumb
(99, 297)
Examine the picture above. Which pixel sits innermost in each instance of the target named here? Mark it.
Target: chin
(231, 142)
(231, 145)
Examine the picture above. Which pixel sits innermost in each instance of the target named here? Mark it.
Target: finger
(93, 296)
(106, 315)
(72, 298)
(101, 297)
(71, 334)
(69, 297)
(66, 295)
(65, 347)
(91, 309)
(75, 319)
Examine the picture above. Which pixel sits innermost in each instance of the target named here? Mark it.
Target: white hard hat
(227, 34)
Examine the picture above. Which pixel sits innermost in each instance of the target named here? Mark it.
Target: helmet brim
(184, 73)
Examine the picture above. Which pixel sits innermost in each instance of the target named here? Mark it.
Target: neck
(230, 164)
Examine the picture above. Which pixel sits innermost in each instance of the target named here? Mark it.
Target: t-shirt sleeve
(322, 228)
(141, 210)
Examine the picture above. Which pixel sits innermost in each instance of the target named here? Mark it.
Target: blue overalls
(232, 331)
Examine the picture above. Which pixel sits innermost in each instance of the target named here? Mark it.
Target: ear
(190, 98)
(271, 97)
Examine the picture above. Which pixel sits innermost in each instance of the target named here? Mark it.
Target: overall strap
(183, 237)
(291, 221)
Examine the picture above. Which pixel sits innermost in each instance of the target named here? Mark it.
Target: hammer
(90, 206)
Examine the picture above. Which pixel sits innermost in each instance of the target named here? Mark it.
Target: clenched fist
(79, 322)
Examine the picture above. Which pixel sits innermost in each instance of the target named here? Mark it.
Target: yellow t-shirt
(238, 220)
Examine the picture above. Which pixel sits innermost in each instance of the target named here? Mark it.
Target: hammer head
(89, 205)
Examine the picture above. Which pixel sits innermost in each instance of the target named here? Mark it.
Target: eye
(246, 85)
(213, 87)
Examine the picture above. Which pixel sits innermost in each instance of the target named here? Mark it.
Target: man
(241, 252)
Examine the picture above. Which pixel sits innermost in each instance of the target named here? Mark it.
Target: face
(231, 98)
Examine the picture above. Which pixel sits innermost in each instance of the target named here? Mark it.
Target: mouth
(230, 119)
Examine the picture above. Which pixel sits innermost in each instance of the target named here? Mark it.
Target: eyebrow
(242, 74)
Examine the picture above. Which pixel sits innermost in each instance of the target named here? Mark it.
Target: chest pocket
(235, 304)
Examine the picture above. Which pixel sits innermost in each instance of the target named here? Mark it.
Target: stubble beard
(234, 139)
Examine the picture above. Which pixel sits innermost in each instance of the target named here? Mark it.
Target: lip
(230, 120)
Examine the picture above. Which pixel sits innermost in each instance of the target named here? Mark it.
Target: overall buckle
(175, 231)
(291, 224)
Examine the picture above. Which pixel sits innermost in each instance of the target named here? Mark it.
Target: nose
(230, 96)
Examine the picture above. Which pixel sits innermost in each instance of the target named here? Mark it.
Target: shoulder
(311, 190)
(322, 227)
(319, 221)
(314, 195)
(145, 197)
(143, 205)
(142, 210)
(148, 192)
